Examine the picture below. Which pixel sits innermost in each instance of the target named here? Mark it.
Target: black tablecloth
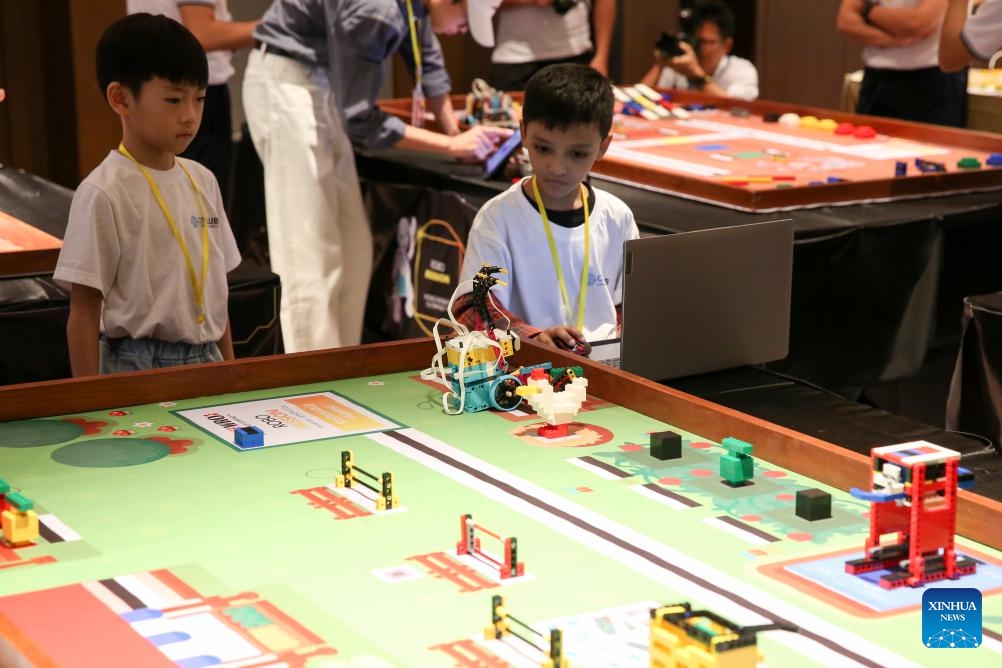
(975, 403)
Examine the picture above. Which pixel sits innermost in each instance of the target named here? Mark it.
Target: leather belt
(264, 48)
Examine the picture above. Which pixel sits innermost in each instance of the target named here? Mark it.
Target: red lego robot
(914, 496)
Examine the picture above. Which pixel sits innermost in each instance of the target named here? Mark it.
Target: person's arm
(436, 84)
(604, 21)
(465, 314)
(226, 343)
(688, 66)
(356, 51)
(953, 53)
(653, 74)
(83, 329)
(441, 107)
(475, 144)
(216, 35)
(913, 23)
(850, 23)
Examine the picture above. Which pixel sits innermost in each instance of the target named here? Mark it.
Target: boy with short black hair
(560, 239)
(148, 245)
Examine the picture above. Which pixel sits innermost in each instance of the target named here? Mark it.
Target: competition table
(32, 221)
(725, 152)
(163, 543)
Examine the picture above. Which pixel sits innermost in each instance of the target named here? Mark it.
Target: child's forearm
(467, 315)
(83, 330)
(226, 344)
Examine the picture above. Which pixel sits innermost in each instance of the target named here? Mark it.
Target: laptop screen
(696, 302)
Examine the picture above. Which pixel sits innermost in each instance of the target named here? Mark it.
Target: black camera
(668, 45)
(564, 6)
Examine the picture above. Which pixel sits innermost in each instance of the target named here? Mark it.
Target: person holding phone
(310, 94)
(710, 67)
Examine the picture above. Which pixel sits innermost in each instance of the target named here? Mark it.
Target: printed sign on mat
(286, 420)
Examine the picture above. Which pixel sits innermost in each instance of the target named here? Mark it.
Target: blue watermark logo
(951, 618)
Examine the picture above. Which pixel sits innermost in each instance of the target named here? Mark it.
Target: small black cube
(666, 445)
(813, 504)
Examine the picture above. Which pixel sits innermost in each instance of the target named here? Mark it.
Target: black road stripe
(623, 545)
(48, 534)
(599, 464)
(684, 500)
(121, 592)
(747, 527)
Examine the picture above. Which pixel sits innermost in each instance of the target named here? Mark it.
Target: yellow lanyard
(556, 259)
(417, 97)
(197, 286)
(415, 48)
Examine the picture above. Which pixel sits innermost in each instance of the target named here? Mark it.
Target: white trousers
(318, 233)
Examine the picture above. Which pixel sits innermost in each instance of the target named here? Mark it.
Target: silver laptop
(695, 302)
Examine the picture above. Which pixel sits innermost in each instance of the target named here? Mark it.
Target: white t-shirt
(921, 54)
(528, 34)
(983, 31)
(508, 232)
(737, 76)
(220, 65)
(118, 241)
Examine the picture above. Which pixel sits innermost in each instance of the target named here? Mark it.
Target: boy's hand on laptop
(565, 338)
(477, 143)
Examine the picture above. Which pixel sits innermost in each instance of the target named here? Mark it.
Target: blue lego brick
(248, 437)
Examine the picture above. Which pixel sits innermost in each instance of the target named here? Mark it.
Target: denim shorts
(128, 354)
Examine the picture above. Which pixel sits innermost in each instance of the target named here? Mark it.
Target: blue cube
(248, 437)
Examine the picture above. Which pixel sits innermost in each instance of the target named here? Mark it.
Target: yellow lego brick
(19, 528)
(339, 480)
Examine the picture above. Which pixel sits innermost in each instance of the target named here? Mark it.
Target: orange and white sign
(286, 420)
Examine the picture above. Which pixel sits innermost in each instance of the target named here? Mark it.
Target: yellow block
(478, 355)
(19, 528)
(808, 121)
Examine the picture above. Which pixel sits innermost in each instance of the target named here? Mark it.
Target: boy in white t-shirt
(560, 239)
(148, 245)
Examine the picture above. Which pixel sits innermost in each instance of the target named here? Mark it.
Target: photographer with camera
(709, 67)
(532, 34)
